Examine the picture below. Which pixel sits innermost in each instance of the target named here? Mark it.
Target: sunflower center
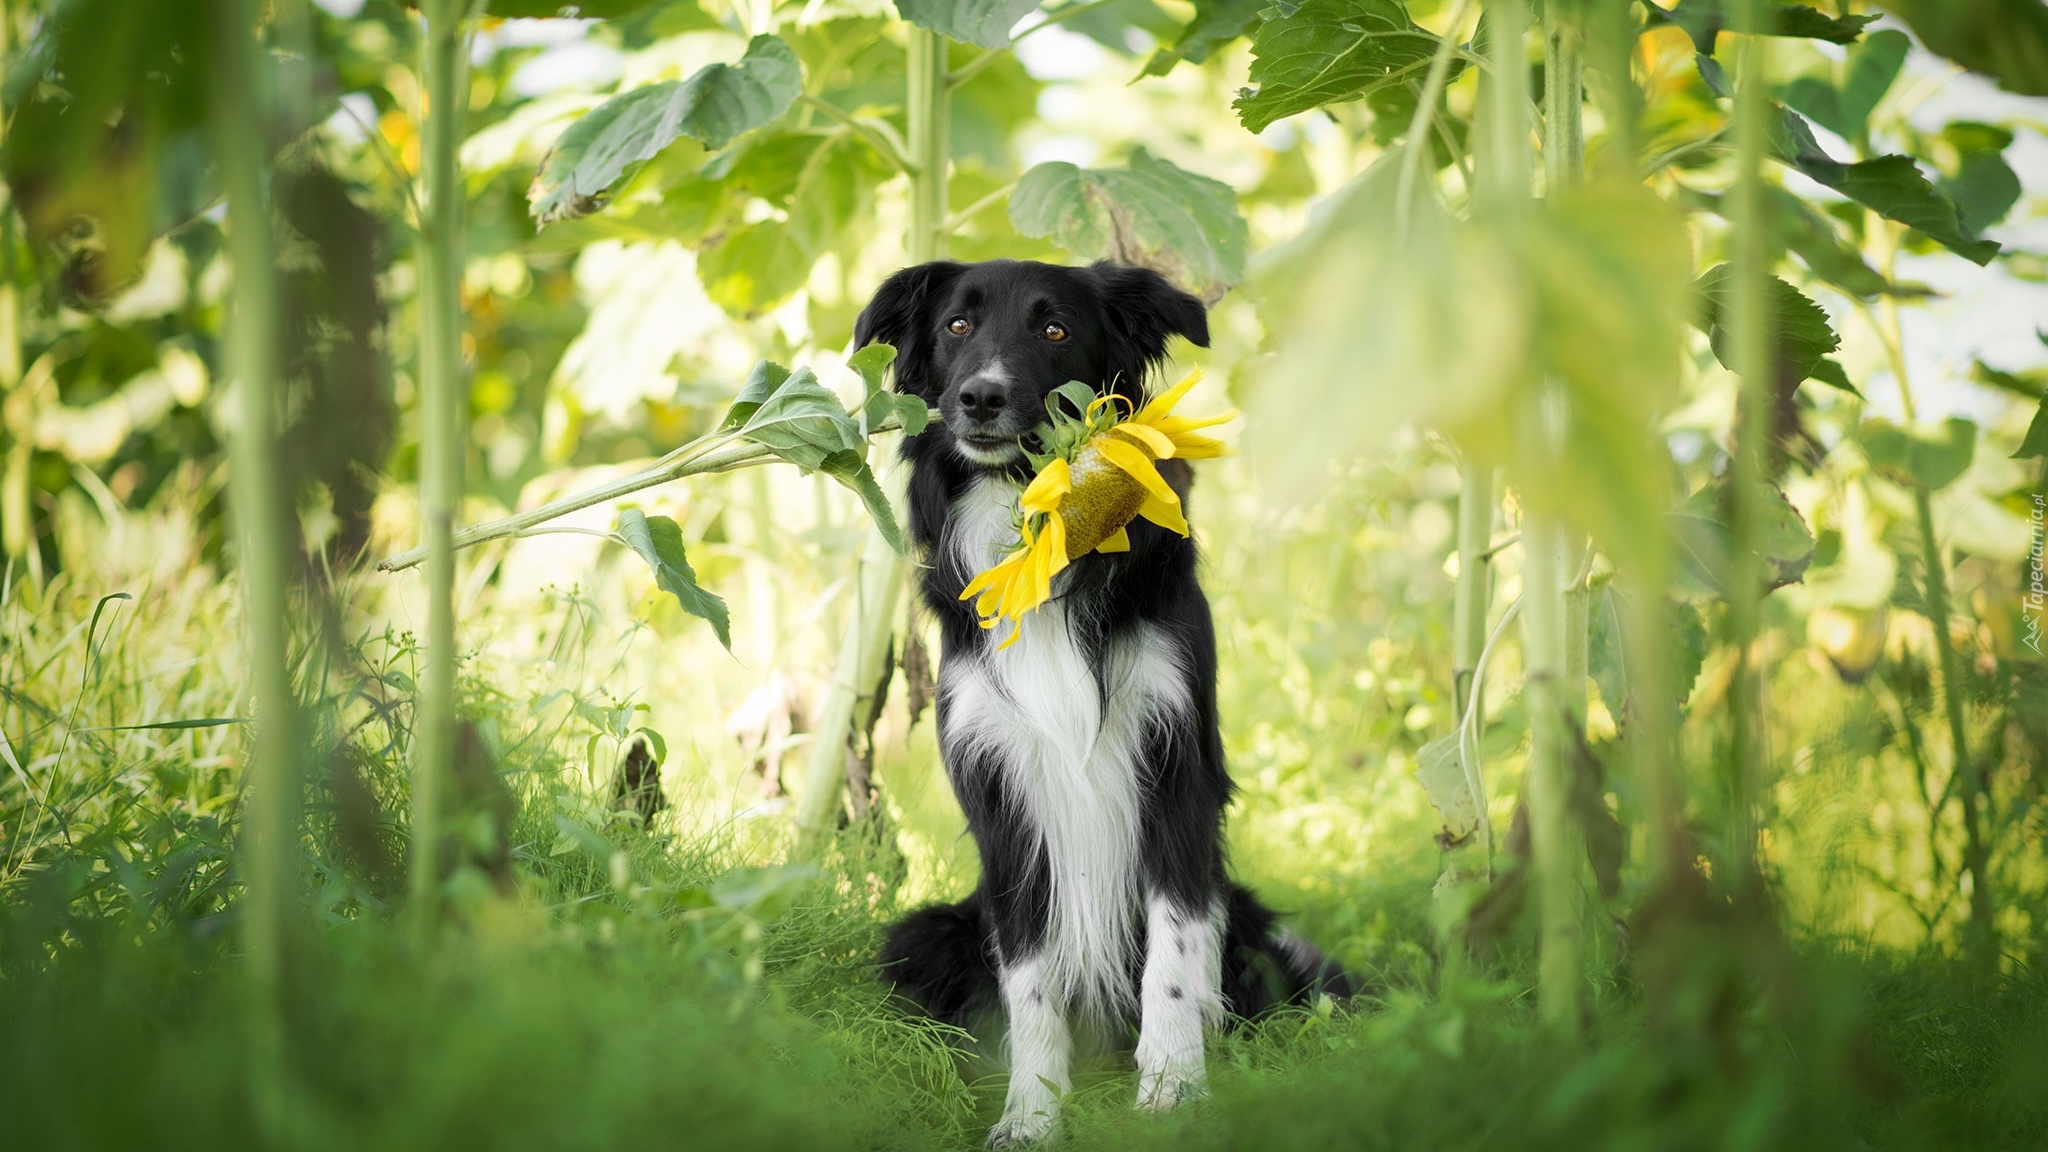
(1103, 499)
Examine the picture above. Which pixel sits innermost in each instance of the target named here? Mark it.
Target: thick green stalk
(15, 430)
(1744, 754)
(271, 813)
(442, 405)
(879, 589)
(1468, 610)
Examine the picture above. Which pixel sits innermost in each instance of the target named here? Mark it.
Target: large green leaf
(1892, 186)
(1706, 546)
(1872, 64)
(1151, 214)
(659, 541)
(1928, 457)
(1330, 51)
(1801, 337)
(2004, 39)
(983, 22)
(1216, 23)
(753, 268)
(794, 416)
(107, 144)
(720, 101)
(1111, 23)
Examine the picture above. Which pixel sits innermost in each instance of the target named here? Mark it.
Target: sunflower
(1098, 473)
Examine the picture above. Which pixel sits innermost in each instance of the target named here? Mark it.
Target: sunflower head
(1097, 471)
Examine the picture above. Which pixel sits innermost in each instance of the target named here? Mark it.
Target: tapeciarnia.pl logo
(2035, 605)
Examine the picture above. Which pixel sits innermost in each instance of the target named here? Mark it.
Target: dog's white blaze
(1182, 991)
(1041, 1047)
(1070, 758)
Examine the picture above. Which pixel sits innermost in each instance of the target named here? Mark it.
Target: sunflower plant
(1097, 471)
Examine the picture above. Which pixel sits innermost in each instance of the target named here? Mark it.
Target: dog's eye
(1054, 332)
(959, 326)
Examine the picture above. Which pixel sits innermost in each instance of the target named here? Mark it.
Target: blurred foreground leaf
(1929, 457)
(720, 101)
(1365, 307)
(2004, 39)
(659, 541)
(1151, 214)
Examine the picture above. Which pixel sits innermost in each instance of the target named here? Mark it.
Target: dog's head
(989, 342)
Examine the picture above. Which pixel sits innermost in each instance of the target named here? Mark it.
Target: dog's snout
(983, 399)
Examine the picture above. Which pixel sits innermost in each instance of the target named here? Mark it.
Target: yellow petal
(1163, 403)
(1165, 515)
(1119, 541)
(1159, 442)
(1048, 488)
(1127, 457)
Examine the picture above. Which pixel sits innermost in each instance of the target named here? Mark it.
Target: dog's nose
(982, 399)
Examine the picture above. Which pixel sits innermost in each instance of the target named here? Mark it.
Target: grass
(678, 985)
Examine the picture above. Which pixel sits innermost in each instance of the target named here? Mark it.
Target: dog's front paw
(1170, 1087)
(1025, 1129)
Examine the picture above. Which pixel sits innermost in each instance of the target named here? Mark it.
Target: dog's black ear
(900, 315)
(1144, 311)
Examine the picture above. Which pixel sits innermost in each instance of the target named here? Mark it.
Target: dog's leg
(1040, 1048)
(1180, 992)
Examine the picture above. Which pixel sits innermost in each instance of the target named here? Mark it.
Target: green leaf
(1813, 237)
(1328, 52)
(872, 362)
(2004, 39)
(983, 22)
(1706, 545)
(1872, 64)
(1150, 214)
(1801, 337)
(1704, 20)
(2036, 441)
(719, 102)
(1983, 186)
(659, 541)
(1682, 643)
(761, 383)
(1832, 374)
(1111, 23)
(1890, 185)
(851, 469)
(2030, 385)
(1216, 23)
(753, 268)
(794, 416)
(1442, 774)
(1930, 458)
(172, 725)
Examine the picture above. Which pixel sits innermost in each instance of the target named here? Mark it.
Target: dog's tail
(938, 959)
(1266, 966)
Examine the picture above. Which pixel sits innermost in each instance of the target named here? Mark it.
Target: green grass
(679, 986)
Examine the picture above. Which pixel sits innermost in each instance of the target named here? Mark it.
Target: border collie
(1086, 755)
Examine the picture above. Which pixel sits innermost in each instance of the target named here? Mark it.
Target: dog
(1087, 755)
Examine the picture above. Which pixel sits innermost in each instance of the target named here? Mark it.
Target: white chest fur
(1067, 733)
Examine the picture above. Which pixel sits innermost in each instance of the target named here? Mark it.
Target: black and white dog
(1086, 755)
